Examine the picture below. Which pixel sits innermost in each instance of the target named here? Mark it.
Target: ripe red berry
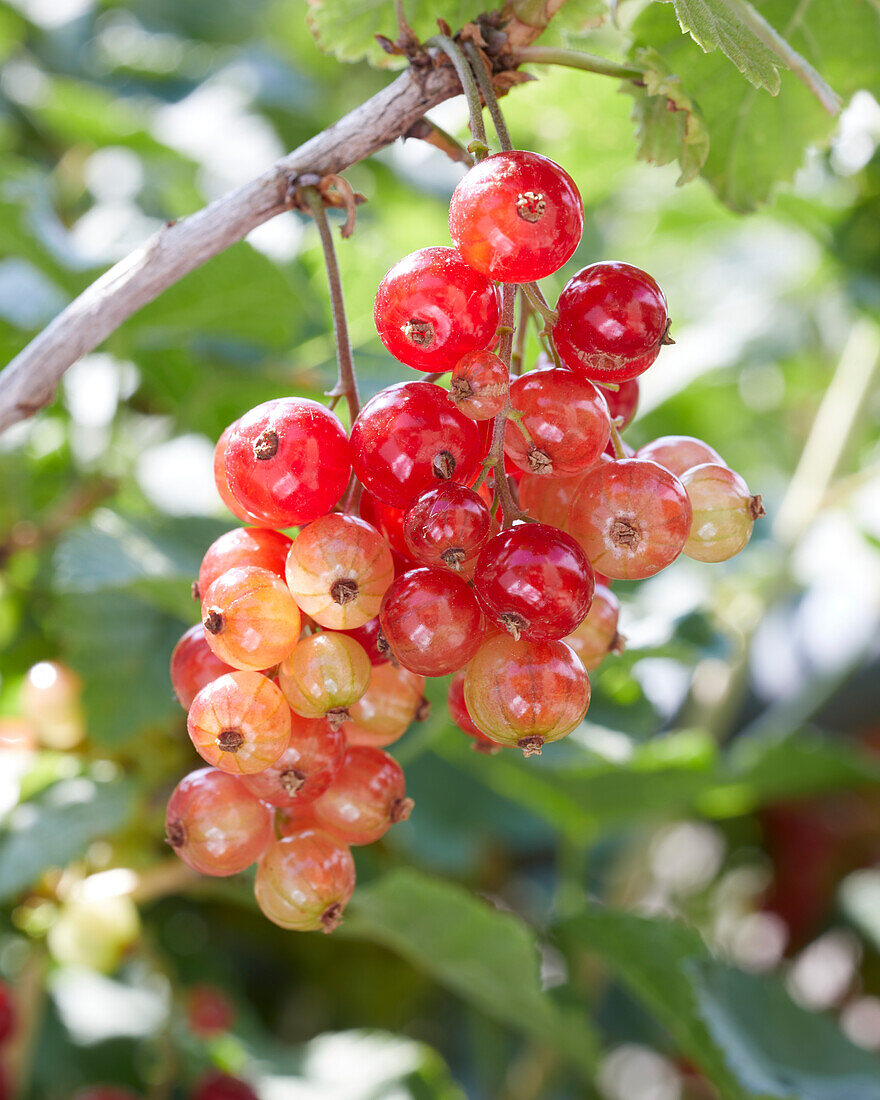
(458, 712)
(724, 512)
(261, 547)
(447, 526)
(623, 402)
(394, 700)
(250, 618)
(287, 461)
(220, 1086)
(326, 674)
(612, 321)
(366, 798)
(548, 499)
(215, 824)
(479, 386)
(209, 1011)
(305, 769)
(565, 420)
(432, 621)
(534, 580)
(240, 722)
(597, 635)
(631, 517)
(516, 217)
(338, 570)
(222, 483)
(194, 665)
(7, 1012)
(387, 520)
(431, 308)
(372, 641)
(410, 437)
(525, 693)
(678, 453)
(304, 881)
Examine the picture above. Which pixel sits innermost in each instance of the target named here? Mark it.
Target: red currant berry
(372, 640)
(194, 665)
(387, 520)
(409, 438)
(223, 485)
(7, 1012)
(287, 461)
(535, 581)
(220, 1086)
(458, 712)
(432, 621)
(597, 635)
(304, 881)
(623, 402)
(516, 217)
(447, 526)
(261, 547)
(209, 1011)
(293, 819)
(565, 422)
(612, 321)
(480, 382)
(679, 453)
(215, 824)
(305, 769)
(548, 499)
(431, 308)
(366, 798)
(724, 512)
(631, 517)
(326, 674)
(250, 618)
(525, 693)
(393, 701)
(338, 570)
(240, 722)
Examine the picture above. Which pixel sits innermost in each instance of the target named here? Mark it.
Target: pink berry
(220, 1086)
(623, 402)
(724, 512)
(250, 618)
(304, 881)
(194, 665)
(597, 635)
(209, 1011)
(259, 546)
(305, 769)
(679, 453)
(366, 798)
(240, 723)
(479, 385)
(459, 714)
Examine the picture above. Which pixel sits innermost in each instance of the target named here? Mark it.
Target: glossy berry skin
(566, 419)
(221, 482)
(243, 546)
(304, 881)
(516, 217)
(194, 665)
(367, 797)
(525, 694)
(431, 308)
(250, 618)
(287, 461)
(220, 1086)
(409, 438)
(215, 824)
(535, 581)
(612, 321)
(679, 453)
(458, 712)
(597, 635)
(7, 1012)
(372, 641)
(479, 386)
(305, 769)
(240, 723)
(388, 707)
(623, 402)
(548, 499)
(209, 1011)
(387, 520)
(432, 621)
(631, 517)
(447, 526)
(325, 674)
(724, 512)
(338, 570)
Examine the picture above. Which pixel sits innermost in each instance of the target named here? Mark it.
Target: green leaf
(669, 125)
(489, 958)
(55, 828)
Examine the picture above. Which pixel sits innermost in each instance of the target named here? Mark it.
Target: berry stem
(435, 377)
(484, 79)
(346, 382)
(617, 442)
(538, 302)
(519, 348)
(432, 134)
(577, 59)
(480, 145)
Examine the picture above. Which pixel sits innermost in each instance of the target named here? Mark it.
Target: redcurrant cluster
(481, 530)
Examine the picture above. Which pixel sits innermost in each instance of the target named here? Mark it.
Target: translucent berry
(215, 824)
(432, 621)
(287, 461)
(516, 217)
(373, 641)
(209, 1011)
(597, 635)
(724, 512)
(251, 620)
(535, 581)
(243, 546)
(293, 819)
(548, 499)
(612, 322)
(223, 485)
(326, 674)
(480, 382)
(51, 700)
(393, 701)
(431, 308)
(387, 520)
(526, 693)
(305, 769)
(240, 723)
(623, 402)
(304, 881)
(631, 517)
(194, 665)
(410, 437)
(447, 526)
(458, 712)
(678, 453)
(338, 570)
(565, 422)
(366, 798)
(220, 1086)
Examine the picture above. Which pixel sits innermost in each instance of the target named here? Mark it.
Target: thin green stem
(617, 442)
(491, 99)
(480, 145)
(538, 303)
(519, 348)
(576, 59)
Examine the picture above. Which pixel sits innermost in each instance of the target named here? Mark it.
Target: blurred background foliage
(678, 903)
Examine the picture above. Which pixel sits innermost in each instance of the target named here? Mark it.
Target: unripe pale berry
(394, 700)
(304, 881)
(194, 665)
(326, 674)
(724, 512)
(597, 635)
(240, 723)
(251, 620)
(678, 453)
